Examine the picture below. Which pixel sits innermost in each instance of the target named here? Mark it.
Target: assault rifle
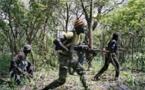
(87, 49)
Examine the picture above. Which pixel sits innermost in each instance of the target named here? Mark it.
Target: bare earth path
(73, 83)
(45, 77)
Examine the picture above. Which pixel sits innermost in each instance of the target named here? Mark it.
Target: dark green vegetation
(39, 23)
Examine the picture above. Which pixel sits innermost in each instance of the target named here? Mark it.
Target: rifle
(87, 49)
(93, 51)
(18, 70)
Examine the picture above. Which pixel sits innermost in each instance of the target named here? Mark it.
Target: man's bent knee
(105, 68)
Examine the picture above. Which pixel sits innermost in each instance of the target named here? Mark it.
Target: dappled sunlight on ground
(127, 81)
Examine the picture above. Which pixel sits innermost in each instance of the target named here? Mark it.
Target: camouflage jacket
(20, 63)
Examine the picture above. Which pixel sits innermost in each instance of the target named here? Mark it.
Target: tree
(102, 8)
(129, 21)
(13, 13)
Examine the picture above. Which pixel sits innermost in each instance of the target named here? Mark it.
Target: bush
(4, 62)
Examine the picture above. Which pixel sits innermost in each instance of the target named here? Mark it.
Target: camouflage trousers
(63, 69)
(17, 76)
(110, 58)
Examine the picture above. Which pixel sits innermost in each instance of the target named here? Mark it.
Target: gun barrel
(95, 50)
(98, 50)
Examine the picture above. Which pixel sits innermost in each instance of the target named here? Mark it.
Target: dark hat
(115, 36)
(27, 47)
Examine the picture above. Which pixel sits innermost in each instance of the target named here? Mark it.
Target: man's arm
(59, 44)
(14, 66)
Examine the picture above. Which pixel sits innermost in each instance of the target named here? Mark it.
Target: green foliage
(134, 62)
(37, 23)
(127, 18)
(139, 60)
(98, 62)
(130, 79)
(5, 62)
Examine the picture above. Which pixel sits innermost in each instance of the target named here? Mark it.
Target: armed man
(110, 57)
(20, 66)
(64, 45)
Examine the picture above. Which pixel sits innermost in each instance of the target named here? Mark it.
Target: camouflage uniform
(18, 65)
(64, 57)
(63, 69)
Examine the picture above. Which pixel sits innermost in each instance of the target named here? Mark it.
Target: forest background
(39, 22)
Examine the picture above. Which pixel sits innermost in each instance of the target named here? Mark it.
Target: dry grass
(45, 76)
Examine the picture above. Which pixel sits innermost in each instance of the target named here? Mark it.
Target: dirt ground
(106, 82)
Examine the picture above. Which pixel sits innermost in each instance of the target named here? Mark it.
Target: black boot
(55, 84)
(46, 88)
(96, 77)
